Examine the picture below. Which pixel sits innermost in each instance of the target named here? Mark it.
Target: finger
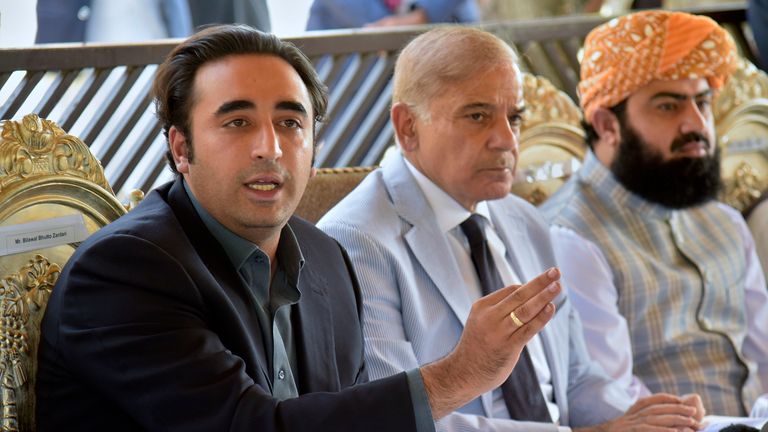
(694, 400)
(521, 293)
(654, 399)
(530, 290)
(527, 310)
(500, 294)
(673, 421)
(637, 425)
(668, 408)
(522, 335)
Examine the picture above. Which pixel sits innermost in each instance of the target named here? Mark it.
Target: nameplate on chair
(42, 234)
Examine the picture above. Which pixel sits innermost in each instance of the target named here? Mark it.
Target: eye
(516, 120)
(704, 103)
(236, 123)
(290, 123)
(667, 106)
(478, 116)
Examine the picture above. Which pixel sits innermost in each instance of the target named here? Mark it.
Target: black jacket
(150, 328)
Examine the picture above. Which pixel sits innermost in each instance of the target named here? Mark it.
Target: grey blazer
(415, 304)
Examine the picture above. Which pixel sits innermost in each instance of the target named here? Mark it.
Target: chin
(497, 192)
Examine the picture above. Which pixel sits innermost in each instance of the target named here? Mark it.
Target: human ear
(179, 150)
(404, 122)
(607, 127)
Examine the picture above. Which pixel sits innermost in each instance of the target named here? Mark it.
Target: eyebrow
(242, 104)
(292, 106)
(680, 96)
(235, 105)
(520, 108)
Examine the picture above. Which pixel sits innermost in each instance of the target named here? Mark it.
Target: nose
(266, 144)
(696, 118)
(506, 136)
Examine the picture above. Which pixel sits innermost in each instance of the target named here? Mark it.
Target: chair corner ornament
(747, 83)
(745, 187)
(23, 298)
(35, 147)
(551, 104)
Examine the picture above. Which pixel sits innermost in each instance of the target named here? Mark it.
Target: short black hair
(173, 86)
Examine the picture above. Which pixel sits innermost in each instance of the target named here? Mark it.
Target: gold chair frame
(552, 142)
(44, 173)
(741, 114)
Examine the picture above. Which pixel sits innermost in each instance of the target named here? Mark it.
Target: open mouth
(265, 187)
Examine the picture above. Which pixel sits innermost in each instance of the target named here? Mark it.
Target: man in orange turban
(666, 279)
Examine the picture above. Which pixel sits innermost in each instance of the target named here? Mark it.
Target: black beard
(678, 183)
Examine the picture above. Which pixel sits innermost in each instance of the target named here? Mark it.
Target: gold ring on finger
(515, 319)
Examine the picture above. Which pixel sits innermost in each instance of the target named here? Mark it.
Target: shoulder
(732, 214)
(310, 237)
(151, 218)
(567, 196)
(321, 252)
(513, 210)
(369, 207)
(736, 218)
(716, 214)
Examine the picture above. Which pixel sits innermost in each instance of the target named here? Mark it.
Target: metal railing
(100, 92)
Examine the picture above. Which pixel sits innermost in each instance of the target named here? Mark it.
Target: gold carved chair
(327, 188)
(741, 121)
(53, 194)
(552, 142)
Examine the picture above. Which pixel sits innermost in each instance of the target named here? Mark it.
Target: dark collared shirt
(274, 298)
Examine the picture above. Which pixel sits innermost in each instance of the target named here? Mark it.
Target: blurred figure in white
(111, 21)
(502, 10)
(17, 23)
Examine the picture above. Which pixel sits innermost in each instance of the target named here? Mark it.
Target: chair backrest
(53, 194)
(327, 188)
(552, 142)
(741, 116)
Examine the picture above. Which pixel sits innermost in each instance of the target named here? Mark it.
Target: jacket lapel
(518, 244)
(554, 336)
(511, 230)
(317, 369)
(425, 240)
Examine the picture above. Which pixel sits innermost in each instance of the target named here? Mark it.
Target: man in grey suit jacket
(457, 109)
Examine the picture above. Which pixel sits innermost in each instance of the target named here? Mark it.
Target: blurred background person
(757, 15)
(111, 21)
(334, 14)
(255, 13)
(502, 10)
(17, 23)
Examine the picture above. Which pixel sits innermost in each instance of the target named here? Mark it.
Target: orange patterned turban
(629, 52)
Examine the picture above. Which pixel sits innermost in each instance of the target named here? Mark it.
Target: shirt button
(281, 374)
